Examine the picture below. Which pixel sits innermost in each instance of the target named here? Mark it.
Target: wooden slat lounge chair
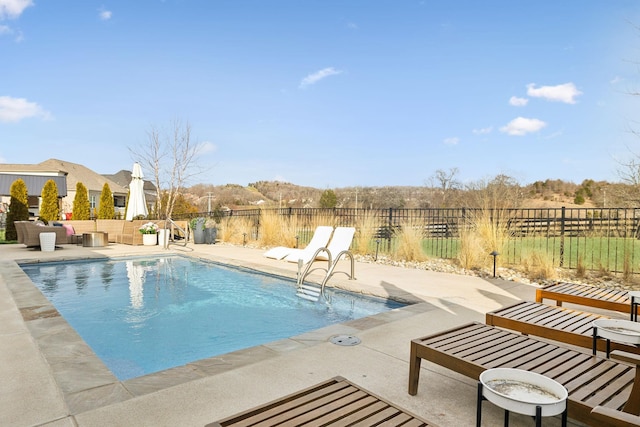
(556, 323)
(590, 380)
(333, 402)
(592, 296)
(607, 417)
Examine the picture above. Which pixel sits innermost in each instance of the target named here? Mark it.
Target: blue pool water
(146, 315)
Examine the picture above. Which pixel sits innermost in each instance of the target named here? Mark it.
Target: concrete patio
(51, 377)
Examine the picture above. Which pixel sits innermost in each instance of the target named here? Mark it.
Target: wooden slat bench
(472, 348)
(556, 323)
(592, 296)
(333, 402)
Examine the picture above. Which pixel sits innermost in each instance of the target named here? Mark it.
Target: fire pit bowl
(521, 391)
(618, 330)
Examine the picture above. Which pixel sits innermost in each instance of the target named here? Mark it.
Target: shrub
(236, 230)
(106, 210)
(81, 207)
(409, 243)
(486, 233)
(18, 208)
(471, 253)
(49, 210)
(538, 266)
(270, 229)
(328, 199)
(365, 232)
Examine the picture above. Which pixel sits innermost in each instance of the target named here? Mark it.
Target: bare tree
(500, 192)
(629, 172)
(446, 183)
(171, 156)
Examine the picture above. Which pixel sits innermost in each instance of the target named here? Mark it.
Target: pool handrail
(170, 241)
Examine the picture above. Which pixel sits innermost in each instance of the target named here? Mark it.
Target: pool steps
(313, 292)
(309, 292)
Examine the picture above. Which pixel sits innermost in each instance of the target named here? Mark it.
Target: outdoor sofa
(118, 230)
(29, 233)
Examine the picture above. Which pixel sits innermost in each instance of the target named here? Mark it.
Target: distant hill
(541, 194)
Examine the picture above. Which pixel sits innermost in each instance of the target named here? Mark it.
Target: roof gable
(79, 173)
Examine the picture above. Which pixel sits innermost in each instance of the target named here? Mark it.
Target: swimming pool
(143, 315)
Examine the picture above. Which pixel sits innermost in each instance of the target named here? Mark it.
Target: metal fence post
(562, 221)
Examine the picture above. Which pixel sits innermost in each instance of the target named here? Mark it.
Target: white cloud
(615, 80)
(314, 78)
(207, 147)
(352, 26)
(13, 8)
(7, 31)
(518, 102)
(105, 15)
(452, 141)
(522, 126)
(562, 93)
(16, 109)
(483, 131)
(554, 135)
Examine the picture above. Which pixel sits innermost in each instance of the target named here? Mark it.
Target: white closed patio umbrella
(136, 205)
(135, 273)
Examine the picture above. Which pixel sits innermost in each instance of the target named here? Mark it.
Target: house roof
(123, 178)
(75, 173)
(33, 181)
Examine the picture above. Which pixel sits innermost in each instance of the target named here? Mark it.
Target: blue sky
(327, 93)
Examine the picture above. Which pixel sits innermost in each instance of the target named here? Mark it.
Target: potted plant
(197, 226)
(149, 233)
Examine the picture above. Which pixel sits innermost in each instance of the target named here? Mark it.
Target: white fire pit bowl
(521, 391)
(624, 331)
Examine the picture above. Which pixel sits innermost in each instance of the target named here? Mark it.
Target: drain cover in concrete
(345, 340)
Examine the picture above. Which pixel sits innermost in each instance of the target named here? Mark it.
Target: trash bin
(163, 237)
(210, 235)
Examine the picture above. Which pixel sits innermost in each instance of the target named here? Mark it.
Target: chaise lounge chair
(338, 245)
(593, 382)
(592, 296)
(333, 402)
(332, 249)
(320, 238)
(337, 248)
(557, 323)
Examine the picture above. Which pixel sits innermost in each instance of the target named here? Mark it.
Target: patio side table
(47, 242)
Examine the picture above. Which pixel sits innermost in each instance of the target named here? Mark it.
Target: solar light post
(244, 239)
(297, 237)
(494, 254)
(377, 246)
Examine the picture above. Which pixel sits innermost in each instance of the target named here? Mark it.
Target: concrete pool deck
(50, 377)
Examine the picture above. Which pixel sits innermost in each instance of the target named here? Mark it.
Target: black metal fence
(592, 238)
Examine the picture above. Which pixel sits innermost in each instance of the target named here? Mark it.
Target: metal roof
(34, 183)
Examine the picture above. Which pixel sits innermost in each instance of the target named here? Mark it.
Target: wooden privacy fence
(594, 238)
